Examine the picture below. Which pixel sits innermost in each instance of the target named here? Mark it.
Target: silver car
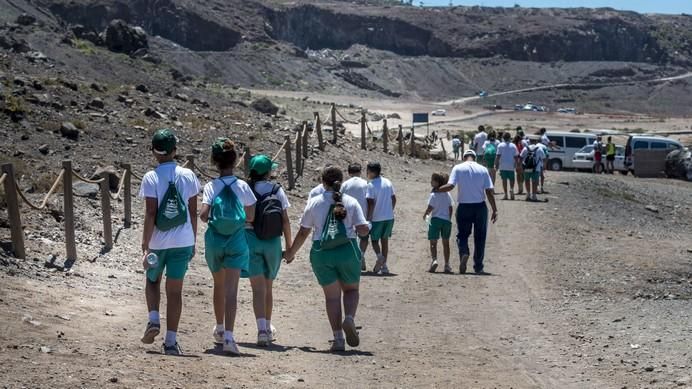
(584, 159)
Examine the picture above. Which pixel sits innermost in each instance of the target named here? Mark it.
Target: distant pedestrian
(519, 144)
(610, 155)
(478, 142)
(228, 206)
(475, 187)
(381, 204)
(456, 146)
(336, 219)
(271, 222)
(598, 154)
(490, 153)
(357, 188)
(440, 225)
(507, 157)
(169, 235)
(532, 163)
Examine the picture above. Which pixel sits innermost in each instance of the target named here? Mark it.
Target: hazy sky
(645, 6)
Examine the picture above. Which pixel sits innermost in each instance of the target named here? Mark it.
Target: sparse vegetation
(85, 47)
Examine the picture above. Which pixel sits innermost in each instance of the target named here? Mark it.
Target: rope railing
(137, 176)
(2, 178)
(346, 120)
(283, 146)
(121, 186)
(45, 198)
(88, 181)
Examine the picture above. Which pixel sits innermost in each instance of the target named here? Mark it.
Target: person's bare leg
(433, 249)
(363, 245)
(504, 186)
(174, 296)
(446, 250)
(385, 249)
(332, 296)
(219, 296)
(376, 247)
(269, 299)
(152, 292)
(232, 278)
(534, 184)
(351, 297)
(259, 296)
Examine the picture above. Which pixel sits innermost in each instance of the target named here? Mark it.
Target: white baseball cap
(470, 153)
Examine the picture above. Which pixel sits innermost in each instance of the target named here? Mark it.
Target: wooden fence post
(318, 128)
(16, 231)
(385, 136)
(401, 140)
(362, 131)
(413, 141)
(191, 161)
(306, 137)
(299, 154)
(246, 162)
(289, 163)
(442, 143)
(334, 134)
(106, 212)
(127, 195)
(70, 239)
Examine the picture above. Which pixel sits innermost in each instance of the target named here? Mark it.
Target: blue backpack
(227, 213)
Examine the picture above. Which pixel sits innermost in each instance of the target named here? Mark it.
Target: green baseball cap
(163, 142)
(262, 164)
(217, 146)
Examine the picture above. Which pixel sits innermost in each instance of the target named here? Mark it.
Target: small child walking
(440, 226)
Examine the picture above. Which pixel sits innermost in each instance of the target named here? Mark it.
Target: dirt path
(512, 329)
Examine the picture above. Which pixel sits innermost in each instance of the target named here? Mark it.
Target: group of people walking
(246, 222)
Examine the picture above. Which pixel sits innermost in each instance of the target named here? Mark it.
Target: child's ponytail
(331, 178)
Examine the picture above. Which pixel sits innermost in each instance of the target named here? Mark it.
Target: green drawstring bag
(334, 232)
(172, 211)
(227, 213)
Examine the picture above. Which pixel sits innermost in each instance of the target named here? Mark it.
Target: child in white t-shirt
(381, 203)
(440, 224)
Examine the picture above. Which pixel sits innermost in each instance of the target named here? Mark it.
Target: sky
(643, 6)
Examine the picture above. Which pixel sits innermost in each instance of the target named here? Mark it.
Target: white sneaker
(385, 270)
(218, 336)
(272, 332)
(263, 338)
(230, 348)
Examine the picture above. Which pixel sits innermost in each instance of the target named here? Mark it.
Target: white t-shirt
(540, 156)
(472, 180)
(479, 141)
(381, 190)
(357, 188)
(507, 153)
(440, 202)
(154, 185)
(456, 142)
(264, 187)
(317, 209)
(239, 187)
(545, 140)
(316, 191)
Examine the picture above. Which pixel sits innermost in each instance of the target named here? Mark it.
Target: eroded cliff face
(179, 24)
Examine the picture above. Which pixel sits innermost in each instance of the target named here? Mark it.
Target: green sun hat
(217, 146)
(262, 164)
(164, 142)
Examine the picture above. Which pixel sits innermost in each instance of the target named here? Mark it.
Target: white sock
(154, 317)
(228, 335)
(220, 328)
(338, 334)
(269, 325)
(170, 338)
(261, 324)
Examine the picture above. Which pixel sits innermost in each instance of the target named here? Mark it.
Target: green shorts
(534, 175)
(175, 261)
(489, 161)
(339, 264)
(381, 230)
(226, 252)
(439, 228)
(507, 174)
(265, 256)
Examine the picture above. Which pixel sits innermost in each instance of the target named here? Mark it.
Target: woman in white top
(226, 251)
(335, 258)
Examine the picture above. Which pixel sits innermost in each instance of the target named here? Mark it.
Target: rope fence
(2, 178)
(46, 198)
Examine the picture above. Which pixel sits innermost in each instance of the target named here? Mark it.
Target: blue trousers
(472, 217)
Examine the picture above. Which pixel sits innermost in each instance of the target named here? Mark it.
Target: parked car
(439, 112)
(647, 142)
(584, 159)
(679, 164)
(567, 110)
(566, 145)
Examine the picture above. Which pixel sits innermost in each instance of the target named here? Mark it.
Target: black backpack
(268, 214)
(531, 161)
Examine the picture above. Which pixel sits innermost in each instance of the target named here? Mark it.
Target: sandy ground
(545, 318)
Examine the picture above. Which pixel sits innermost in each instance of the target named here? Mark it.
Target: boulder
(44, 149)
(123, 38)
(182, 97)
(152, 113)
(110, 173)
(26, 20)
(679, 164)
(69, 131)
(264, 105)
(86, 34)
(83, 189)
(96, 104)
(203, 103)
(142, 88)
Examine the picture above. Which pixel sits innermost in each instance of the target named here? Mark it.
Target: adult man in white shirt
(357, 188)
(506, 163)
(381, 203)
(475, 186)
(478, 142)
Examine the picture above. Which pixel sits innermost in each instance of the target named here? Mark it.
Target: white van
(647, 142)
(566, 145)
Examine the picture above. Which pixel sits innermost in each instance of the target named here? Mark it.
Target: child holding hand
(440, 226)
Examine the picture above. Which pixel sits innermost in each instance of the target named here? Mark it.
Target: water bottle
(153, 260)
(428, 221)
